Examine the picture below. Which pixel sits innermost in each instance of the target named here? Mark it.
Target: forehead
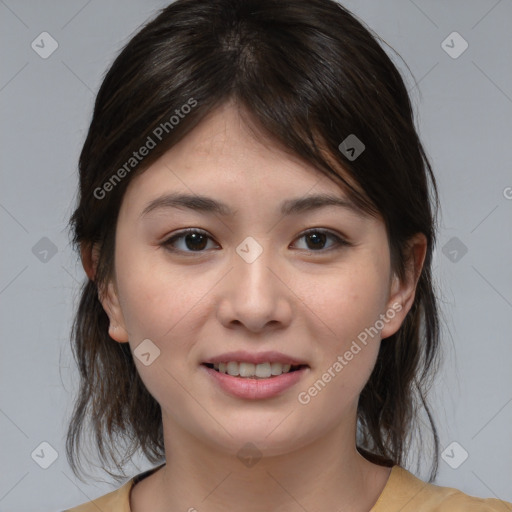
(224, 158)
(228, 140)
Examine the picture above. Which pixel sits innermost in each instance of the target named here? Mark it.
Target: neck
(327, 474)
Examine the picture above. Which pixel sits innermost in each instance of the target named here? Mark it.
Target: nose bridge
(253, 260)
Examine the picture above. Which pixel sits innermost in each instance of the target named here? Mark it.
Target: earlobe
(110, 302)
(403, 291)
(109, 299)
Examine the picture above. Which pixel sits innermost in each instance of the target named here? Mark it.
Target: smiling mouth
(254, 371)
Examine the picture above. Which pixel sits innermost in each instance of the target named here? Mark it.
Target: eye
(317, 237)
(196, 240)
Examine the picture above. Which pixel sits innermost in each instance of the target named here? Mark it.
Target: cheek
(155, 299)
(164, 307)
(348, 301)
(347, 305)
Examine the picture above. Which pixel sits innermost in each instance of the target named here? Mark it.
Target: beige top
(403, 493)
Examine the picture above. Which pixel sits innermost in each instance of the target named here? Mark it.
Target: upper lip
(256, 358)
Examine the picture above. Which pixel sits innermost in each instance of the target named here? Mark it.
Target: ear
(403, 291)
(89, 258)
(109, 298)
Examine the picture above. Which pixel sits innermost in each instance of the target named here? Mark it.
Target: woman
(256, 218)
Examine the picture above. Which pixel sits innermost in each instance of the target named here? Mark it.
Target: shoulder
(407, 493)
(115, 501)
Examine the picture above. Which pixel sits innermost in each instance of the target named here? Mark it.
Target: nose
(255, 294)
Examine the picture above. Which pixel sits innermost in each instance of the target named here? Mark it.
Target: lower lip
(255, 389)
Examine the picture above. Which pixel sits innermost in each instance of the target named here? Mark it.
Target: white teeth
(278, 368)
(233, 368)
(242, 369)
(263, 370)
(246, 369)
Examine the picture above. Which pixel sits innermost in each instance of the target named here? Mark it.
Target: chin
(255, 443)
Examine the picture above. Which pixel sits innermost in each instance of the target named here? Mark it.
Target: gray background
(464, 109)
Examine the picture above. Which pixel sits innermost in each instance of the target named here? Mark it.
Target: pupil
(315, 236)
(195, 238)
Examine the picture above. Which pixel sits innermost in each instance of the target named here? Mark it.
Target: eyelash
(339, 241)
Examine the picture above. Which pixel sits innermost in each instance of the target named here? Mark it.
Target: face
(307, 283)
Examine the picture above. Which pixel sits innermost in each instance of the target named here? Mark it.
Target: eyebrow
(207, 205)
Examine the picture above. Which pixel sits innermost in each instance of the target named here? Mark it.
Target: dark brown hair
(307, 74)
